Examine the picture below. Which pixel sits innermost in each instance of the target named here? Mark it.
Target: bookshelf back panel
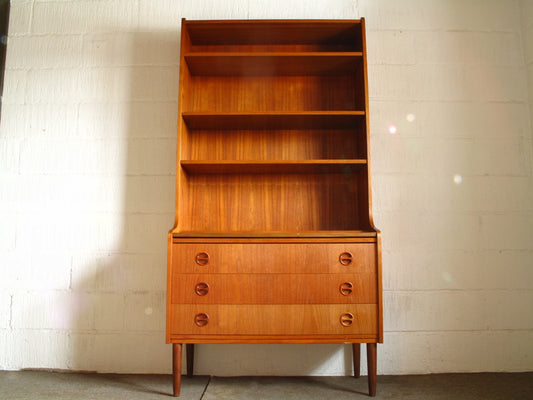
(273, 93)
(274, 145)
(272, 202)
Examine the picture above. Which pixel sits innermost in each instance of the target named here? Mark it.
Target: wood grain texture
(275, 144)
(273, 258)
(270, 64)
(273, 288)
(288, 319)
(273, 202)
(274, 93)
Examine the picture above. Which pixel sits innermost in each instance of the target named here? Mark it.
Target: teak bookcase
(273, 240)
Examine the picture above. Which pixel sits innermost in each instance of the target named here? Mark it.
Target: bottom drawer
(314, 319)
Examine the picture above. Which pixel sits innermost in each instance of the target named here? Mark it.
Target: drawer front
(358, 287)
(323, 319)
(273, 257)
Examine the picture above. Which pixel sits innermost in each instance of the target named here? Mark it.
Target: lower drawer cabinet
(273, 289)
(294, 319)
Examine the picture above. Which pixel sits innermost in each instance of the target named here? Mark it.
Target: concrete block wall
(527, 41)
(87, 141)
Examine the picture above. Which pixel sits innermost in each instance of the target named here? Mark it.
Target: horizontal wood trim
(272, 167)
(272, 339)
(273, 120)
(317, 236)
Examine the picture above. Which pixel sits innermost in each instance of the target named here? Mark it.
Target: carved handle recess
(201, 319)
(346, 319)
(201, 289)
(202, 258)
(346, 288)
(346, 258)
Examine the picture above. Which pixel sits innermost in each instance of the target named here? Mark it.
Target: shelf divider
(272, 167)
(273, 120)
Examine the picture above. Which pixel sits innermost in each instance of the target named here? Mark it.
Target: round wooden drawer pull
(346, 258)
(201, 289)
(201, 319)
(346, 288)
(202, 258)
(346, 319)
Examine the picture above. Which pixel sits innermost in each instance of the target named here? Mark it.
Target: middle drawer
(274, 288)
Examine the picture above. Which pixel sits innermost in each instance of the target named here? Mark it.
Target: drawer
(265, 320)
(359, 287)
(273, 257)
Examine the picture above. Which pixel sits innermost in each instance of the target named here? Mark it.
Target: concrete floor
(42, 385)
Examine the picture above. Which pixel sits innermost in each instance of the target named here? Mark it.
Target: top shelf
(272, 35)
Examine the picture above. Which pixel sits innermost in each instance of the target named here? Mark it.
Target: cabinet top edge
(271, 21)
(280, 235)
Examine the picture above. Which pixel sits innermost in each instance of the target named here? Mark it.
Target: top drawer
(273, 257)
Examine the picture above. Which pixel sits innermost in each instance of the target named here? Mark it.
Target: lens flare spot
(410, 117)
(458, 179)
(148, 311)
(447, 276)
(393, 129)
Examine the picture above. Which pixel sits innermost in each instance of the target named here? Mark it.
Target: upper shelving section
(275, 36)
(272, 129)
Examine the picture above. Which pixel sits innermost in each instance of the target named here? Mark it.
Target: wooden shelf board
(271, 167)
(273, 120)
(273, 64)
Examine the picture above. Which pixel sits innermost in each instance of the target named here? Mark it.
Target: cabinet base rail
(371, 351)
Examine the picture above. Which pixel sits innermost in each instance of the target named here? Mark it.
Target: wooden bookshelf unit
(273, 240)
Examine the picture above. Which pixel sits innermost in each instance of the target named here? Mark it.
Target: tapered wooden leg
(356, 350)
(176, 368)
(371, 358)
(190, 360)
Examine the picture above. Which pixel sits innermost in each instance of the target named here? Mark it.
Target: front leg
(371, 358)
(176, 367)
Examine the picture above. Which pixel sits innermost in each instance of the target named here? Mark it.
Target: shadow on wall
(118, 323)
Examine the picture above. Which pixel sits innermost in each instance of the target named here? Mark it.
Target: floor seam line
(206, 386)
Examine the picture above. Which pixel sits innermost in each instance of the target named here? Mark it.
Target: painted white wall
(87, 157)
(527, 41)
